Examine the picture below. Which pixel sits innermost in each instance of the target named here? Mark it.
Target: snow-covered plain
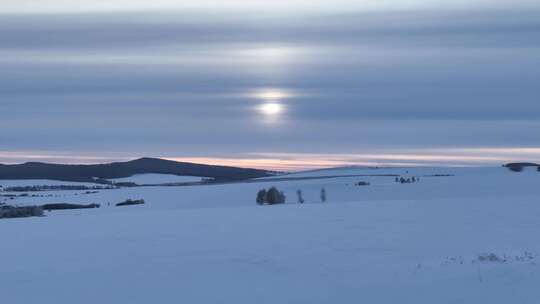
(152, 178)
(383, 243)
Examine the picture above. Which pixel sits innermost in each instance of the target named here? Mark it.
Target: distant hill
(518, 167)
(89, 173)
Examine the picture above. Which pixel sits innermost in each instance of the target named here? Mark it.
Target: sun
(271, 109)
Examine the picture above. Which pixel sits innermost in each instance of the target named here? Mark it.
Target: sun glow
(271, 109)
(271, 95)
(272, 102)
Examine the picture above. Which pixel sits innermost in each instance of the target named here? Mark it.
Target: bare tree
(300, 197)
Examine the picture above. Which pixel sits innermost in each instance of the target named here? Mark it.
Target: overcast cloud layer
(188, 84)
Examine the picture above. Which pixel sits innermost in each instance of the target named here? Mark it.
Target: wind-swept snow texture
(467, 238)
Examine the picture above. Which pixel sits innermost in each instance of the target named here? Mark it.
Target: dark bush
(274, 196)
(63, 206)
(130, 202)
(300, 196)
(261, 197)
(15, 212)
(516, 168)
(125, 184)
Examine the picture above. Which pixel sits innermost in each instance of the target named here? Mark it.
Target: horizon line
(294, 162)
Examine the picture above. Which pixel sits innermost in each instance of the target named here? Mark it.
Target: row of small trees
(409, 180)
(274, 196)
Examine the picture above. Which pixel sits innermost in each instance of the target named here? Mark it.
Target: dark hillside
(88, 173)
(518, 167)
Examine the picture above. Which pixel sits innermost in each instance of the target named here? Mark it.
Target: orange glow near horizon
(261, 163)
(428, 157)
(306, 161)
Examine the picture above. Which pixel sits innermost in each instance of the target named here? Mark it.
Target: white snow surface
(154, 178)
(383, 243)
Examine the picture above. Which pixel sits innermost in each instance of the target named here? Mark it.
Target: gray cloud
(168, 83)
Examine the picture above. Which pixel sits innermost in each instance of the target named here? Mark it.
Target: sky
(285, 85)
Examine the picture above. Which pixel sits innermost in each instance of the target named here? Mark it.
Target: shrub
(261, 197)
(491, 257)
(274, 196)
(516, 168)
(130, 202)
(323, 195)
(63, 206)
(300, 196)
(15, 212)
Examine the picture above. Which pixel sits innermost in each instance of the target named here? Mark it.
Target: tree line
(274, 196)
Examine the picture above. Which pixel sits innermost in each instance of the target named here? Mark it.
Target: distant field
(471, 235)
(149, 178)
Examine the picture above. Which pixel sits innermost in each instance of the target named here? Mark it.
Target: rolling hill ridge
(89, 173)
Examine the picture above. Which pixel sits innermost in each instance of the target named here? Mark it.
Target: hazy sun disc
(271, 109)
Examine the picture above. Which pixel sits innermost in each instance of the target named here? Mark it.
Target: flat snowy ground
(144, 179)
(384, 243)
